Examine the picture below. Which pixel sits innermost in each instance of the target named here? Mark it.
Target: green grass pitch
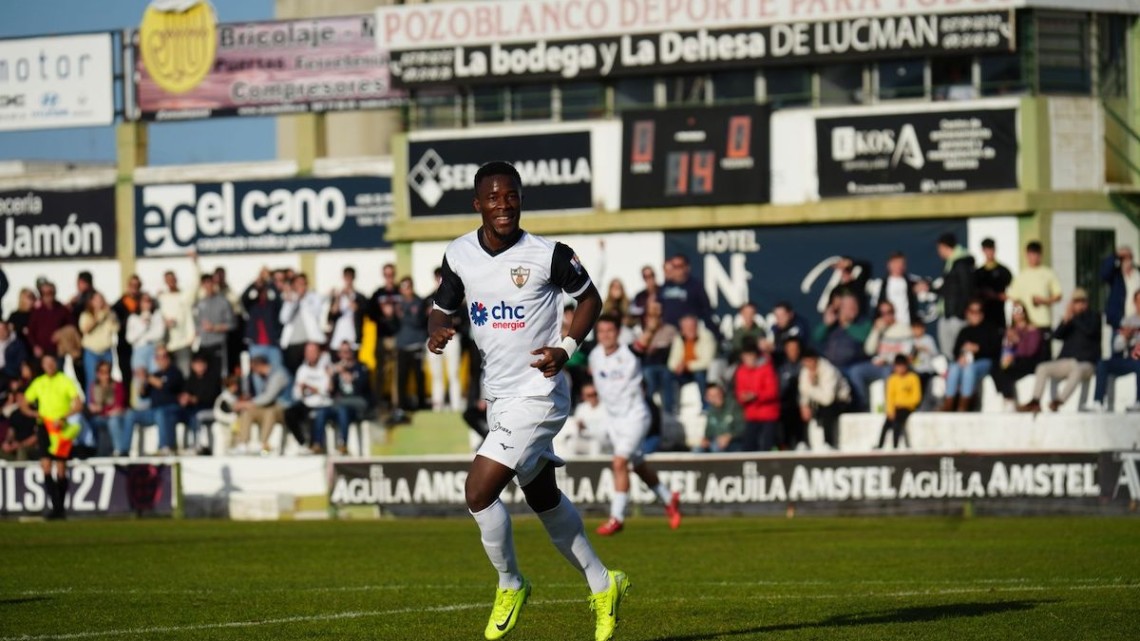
(747, 578)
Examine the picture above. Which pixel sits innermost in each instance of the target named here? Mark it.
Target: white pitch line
(313, 618)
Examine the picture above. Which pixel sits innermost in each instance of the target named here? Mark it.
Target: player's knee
(478, 497)
(620, 463)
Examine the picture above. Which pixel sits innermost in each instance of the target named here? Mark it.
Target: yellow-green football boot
(505, 614)
(606, 605)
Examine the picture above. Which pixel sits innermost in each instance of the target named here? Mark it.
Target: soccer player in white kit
(511, 284)
(617, 376)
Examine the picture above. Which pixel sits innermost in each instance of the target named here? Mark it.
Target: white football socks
(663, 493)
(617, 506)
(495, 527)
(564, 525)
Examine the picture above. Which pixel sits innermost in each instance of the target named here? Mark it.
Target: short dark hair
(749, 348)
(608, 318)
(349, 271)
(794, 339)
(809, 352)
(896, 254)
(85, 276)
(785, 304)
(917, 322)
(901, 359)
(199, 357)
(496, 168)
(1033, 246)
(948, 239)
(207, 278)
(678, 256)
(988, 243)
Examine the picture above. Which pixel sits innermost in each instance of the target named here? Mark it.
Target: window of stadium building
(532, 102)
(842, 84)
(901, 79)
(734, 87)
(788, 87)
(1112, 54)
(436, 108)
(582, 100)
(634, 93)
(953, 78)
(1063, 52)
(1001, 74)
(687, 90)
(488, 104)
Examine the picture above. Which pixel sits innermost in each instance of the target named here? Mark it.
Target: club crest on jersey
(576, 263)
(519, 276)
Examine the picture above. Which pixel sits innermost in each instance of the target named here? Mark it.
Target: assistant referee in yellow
(56, 397)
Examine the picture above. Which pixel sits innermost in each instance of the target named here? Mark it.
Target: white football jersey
(617, 378)
(514, 301)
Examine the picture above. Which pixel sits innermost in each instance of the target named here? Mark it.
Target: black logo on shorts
(507, 447)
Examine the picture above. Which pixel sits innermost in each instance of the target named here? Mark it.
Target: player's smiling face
(499, 201)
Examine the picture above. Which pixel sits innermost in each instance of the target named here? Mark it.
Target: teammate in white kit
(617, 376)
(511, 284)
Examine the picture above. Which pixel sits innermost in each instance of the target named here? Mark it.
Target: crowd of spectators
(763, 381)
(279, 353)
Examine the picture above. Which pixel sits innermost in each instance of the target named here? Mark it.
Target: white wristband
(569, 345)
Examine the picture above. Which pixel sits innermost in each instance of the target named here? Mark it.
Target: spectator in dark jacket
(12, 355)
(850, 276)
(45, 319)
(990, 282)
(788, 325)
(162, 389)
(681, 295)
(900, 288)
(127, 304)
(954, 291)
(411, 338)
(346, 312)
(262, 303)
(202, 390)
(794, 428)
(1119, 272)
(976, 349)
(351, 394)
(3, 284)
(382, 311)
(1080, 334)
(841, 336)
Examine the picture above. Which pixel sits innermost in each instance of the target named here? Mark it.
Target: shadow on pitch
(918, 614)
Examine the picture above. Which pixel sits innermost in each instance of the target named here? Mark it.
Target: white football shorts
(627, 433)
(522, 430)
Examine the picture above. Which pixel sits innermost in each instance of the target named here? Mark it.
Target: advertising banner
(262, 216)
(37, 224)
(1120, 476)
(269, 68)
(712, 484)
(63, 81)
(688, 47)
(555, 169)
(767, 265)
(95, 489)
(922, 152)
(695, 156)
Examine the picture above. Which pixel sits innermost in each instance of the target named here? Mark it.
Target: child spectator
(758, 392)
(904, 394)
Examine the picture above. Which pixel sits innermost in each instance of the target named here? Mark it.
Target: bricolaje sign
(929, 153)
(36, 224)
(695, 156)
(100, 488)
(262, 216)
(555, 169)
(729, 483)
(678, 51)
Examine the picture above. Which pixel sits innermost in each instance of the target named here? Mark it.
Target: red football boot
(610, 527)
(673, 511)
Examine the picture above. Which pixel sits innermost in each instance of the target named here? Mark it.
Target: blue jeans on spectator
(91, 360)
(678, 380)
(1115, 366)
(101, 433)
(165, 418)
(964, 381)
(142, 357)
(658, 379)
(861, 375)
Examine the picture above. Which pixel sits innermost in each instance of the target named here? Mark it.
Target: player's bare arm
(552, 359)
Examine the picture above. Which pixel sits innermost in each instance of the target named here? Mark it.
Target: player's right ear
(475, 204)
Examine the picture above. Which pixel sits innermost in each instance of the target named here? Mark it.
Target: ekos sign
(262, 216)
(555, 169)
(47, 83)
(924, 152)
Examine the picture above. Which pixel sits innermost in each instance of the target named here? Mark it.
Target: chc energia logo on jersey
(501, 315)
